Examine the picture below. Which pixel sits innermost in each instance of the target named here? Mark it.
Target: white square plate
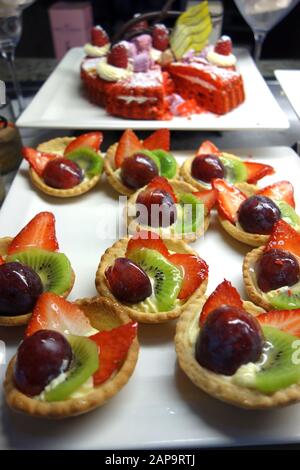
(159, 407)
(61, 103)
(289, 81)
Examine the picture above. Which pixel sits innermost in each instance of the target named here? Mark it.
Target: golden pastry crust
(252, 239)
(117, 250)
(186, 174)
(253, 291)
(218, 385)
(178, 186)
(95, 307)
(114, 180)
(19, 320)
(58, 145)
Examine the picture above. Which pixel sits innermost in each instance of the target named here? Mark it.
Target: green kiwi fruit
(279, 368)
(168, 164)
(89, 161)
(153, 157)
(53, 268)
(190, 214)
(85, 363)
(288, 214)
(285, 298)
(166, 278)
(236, 171)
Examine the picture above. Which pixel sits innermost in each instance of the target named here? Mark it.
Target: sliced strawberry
(91, 139)
(99, 37)
(160, 139)
(195, 271)
(229, 199)
(208, 197)
(128, 145)
(147, 239)
(224, 294)
(52, 312)
(207, 148)
(37, 160)
(1, 260)
(284, 237)
(113, 348)
(160, 37)
(162, 183)
(257, 171)
(223, 46)
(282, 190)
(38, 233)
(118, 55)
(285, 320)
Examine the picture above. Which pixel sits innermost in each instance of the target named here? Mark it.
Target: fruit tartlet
(66, 166)
(239, 354)
(173, 208)
(154, 280)
(272, 272)
(131, 164)
(74, 357)
(210, 163)
(251, 219)
(29, 265)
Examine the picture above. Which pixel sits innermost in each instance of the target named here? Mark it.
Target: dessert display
(131, 163)
(210, 163)
(272, 272)
(153, 73)
(154, 280)
(66, 166)
(173, 208)
(74, 357)
(237, 353)
(251, 219)
(31, 264)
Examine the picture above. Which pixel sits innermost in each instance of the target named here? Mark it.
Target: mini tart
(113, 179)
(179, 187)
(217, 385)
(252, 239)
(103, 315)
(58, 145)
(19, 320)
(186, 174)
(117, 250)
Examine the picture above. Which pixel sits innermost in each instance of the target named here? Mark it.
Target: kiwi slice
(168, 165)
(236, 171)
(286, 298)
(151, 155)
(53, 268)
(288, 214)
(278, 369)
(85, 363)
(89, 161)
(190, 214)
(166, 278)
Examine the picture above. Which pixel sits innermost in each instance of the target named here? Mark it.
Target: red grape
(277, 268)
(40, 358)
(127, 281)
(159, 209)
(229, 338)
(258, 214)
(20, 288)
(138, 170)
(207, 167)
(62, 173)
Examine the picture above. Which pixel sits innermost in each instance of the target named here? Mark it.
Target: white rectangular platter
(289, 81)
(61, 103)
(159, 407)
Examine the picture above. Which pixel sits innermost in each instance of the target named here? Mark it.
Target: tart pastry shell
(253, 292)
(252, 239)
(118, 250)
(95, 307)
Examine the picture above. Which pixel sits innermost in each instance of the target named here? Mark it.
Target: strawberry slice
(118, 55)
(160, 37)
(1, 260)
(160, 139)
(207, 148)
(37, 160)
(91, 139)
(285, 320)
(284, 237)
(229, 199)
(159, 182)
(223, 46)
(195, 271)
(38, 233)
(281, 191)
(147, 239)
(257, 171)
(52, 312)
(99, 37)
(113, 348)
(224, 294)
(208, 197)
(128, 145)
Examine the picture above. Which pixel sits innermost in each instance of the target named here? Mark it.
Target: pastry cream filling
(110, 73)
(95, 51)
(136, 99)
(221, 60)
(198, 81)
